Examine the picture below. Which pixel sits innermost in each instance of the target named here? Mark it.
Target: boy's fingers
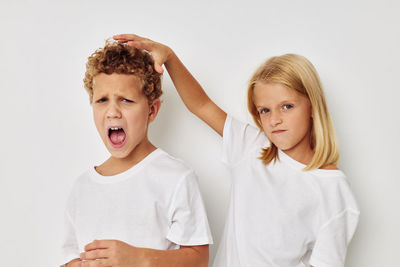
(75, 264)
(94, 254)
(98, 244)
(96, 263)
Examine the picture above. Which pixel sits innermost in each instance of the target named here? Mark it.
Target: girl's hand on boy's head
(112, 253)
(160, 52)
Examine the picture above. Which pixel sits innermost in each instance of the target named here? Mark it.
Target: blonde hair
(297, 73)
(123, 59)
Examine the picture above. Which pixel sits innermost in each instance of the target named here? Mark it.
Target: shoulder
(173, 175)
(240, 139)
(78, 188)
(329, 179)
(81, 181)
(169, 167)
(335, 191)
(330, 167)
(237, 127)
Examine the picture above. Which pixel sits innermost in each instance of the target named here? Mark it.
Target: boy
(141, 207)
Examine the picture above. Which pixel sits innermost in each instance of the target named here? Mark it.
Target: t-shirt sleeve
(331, 245)
(69, 247)
(189, 224)
(239, 139)
(336, 231)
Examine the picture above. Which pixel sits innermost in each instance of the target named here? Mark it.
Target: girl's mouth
(278, 131)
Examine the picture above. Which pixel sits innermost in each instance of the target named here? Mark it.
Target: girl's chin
(282, 146)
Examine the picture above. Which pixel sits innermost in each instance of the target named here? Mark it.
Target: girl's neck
(303, 155)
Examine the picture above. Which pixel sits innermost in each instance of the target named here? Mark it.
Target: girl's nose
(275, 119)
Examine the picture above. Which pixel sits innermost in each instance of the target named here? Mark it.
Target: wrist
(146, 257)
(170, 54)
(171, 60)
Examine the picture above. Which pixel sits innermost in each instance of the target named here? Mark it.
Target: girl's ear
(154, 108)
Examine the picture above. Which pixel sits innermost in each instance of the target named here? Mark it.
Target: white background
(48, 137)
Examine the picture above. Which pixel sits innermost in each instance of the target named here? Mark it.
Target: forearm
(193, 95)
(187, 86)
(184, 257)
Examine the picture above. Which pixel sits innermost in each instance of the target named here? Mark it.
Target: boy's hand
(160, 52)
(74, 263)
(113, 253)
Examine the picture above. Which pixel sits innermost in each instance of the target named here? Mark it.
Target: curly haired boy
(141, 207)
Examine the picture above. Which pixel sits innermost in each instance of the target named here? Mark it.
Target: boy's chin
(117, 153)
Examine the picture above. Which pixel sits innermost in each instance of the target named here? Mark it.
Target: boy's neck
(113, 165)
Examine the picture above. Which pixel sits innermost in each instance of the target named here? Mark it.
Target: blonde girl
(290, 205)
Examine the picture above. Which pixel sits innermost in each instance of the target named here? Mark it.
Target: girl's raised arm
(192, 94)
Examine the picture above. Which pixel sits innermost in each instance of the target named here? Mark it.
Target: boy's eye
(287, 106)
(264, 111)
(101, 100)
(127, 100)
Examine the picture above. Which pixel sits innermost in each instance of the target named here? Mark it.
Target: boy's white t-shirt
(155, 204)
(280, 215)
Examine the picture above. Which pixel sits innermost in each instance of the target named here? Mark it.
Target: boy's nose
(113, 111)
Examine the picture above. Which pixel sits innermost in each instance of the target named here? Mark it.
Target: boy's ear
(154, 108)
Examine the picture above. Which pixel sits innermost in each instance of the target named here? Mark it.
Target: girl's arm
(192, 94)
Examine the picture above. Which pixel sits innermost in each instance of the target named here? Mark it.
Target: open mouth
(116, 136)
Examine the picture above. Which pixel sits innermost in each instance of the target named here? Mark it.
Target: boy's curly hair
(123, 59)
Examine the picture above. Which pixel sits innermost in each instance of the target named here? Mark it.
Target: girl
(290, 205)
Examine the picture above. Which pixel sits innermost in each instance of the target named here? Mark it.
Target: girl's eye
(127, 100)
(264, 111)
(287, 106)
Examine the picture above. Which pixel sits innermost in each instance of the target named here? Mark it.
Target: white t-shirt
(155, 204)
(280, 215)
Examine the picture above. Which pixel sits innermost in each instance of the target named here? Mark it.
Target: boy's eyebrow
(119, 95)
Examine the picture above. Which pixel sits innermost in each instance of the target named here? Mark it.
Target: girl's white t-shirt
(280, 215)
(155, 204)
